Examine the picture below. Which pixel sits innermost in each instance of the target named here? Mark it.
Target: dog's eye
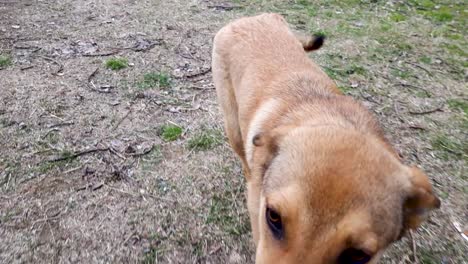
(353, 256)
(274, 223)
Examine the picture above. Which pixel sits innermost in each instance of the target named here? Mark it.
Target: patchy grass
(205, 139)
(425, 60)
(153, 158)
(458, 104)
(5, 61)
(345, 89)
(171, 132)
(116, 64)
(150, 257)
(155, 80)
(223, 206)
(449, 147)
(223, 214)
(398, 17)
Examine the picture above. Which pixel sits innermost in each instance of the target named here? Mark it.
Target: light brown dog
(324, 185)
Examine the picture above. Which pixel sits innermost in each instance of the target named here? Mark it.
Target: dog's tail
(311, 43)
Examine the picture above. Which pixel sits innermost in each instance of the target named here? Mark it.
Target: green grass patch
(205, 139)
(404, 74)
(397, 17)
(5, 61)
(116, 64)
(307, 6)
(342, 74)
(385, 26)
(170, 132)
(449, 147)
(222, 213)
(456, 50)
(458, 104)
(443, 14)
(402, 46)
(345, 89)
(356, 69)
(427, 257)
(425, 60)
(150, 257)
(155, 80)
(223, 209)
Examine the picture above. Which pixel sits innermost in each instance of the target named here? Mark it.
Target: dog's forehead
(333, 178)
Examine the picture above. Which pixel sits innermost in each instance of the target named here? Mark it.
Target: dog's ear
(419, 201)
(312, 43)
(266, 146)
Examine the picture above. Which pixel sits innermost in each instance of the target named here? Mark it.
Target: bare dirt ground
(131, 165)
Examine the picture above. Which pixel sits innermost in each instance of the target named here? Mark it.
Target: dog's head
(332, 195)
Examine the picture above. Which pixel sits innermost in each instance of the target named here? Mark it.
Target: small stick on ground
(104, 54)
(422, 68)
(418, 127)
(27, 67)
(123, 118)
(202, 88)
(224, 7)
(77, 154)
(439, 108)
(113, 151)
(66, 123)
(91, 76)
(414, 249)
(414, 86)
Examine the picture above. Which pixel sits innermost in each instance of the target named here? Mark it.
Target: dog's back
(264, 49)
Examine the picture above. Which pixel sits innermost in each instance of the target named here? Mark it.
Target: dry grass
(94, 168)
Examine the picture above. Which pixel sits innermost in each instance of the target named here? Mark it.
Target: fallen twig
(113, 151)
(202, 88)
(414, 86)
(439, 108)
(17, 46)
(417, 127)
(104, 54)
(225, 7)
(123, 118)
(101, 89)
(91, 76)
(72, 170)
(421, 67)
(27, 67)
(68, 123)
(77, 154)
(413, 242)
(129, 237)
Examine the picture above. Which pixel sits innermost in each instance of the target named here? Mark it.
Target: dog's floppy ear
(312, 43)
(266, 146)
(420, 199)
